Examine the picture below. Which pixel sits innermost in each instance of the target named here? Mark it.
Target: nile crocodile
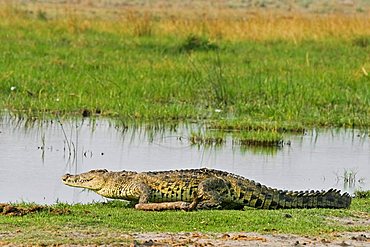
(199, 189)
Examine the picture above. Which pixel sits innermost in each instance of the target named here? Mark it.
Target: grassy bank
(265, 71)
(107, 223)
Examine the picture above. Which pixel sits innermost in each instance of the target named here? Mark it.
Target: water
(34, 155)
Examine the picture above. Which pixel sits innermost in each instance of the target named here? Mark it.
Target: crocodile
(199, 189)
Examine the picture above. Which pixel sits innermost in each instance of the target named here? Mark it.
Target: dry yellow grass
(215, 22)
(271, 26)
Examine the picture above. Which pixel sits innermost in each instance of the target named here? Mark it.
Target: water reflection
(35, 154)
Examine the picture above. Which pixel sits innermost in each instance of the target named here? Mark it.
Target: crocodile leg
(212, 193)
(144, 193)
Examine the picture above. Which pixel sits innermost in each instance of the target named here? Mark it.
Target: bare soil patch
(222, 239)
(249, 239)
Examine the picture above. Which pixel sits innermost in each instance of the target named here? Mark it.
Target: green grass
(56, 68)
(108, 222)
(259, 138)
(244, 138)
(362, 194)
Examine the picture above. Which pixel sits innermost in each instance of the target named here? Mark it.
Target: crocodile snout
(65, 177)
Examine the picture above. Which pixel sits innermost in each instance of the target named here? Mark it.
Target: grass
(229, 73)
(245, 138)
(362, 194)
(108, 222)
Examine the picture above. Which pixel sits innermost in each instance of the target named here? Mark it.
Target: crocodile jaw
(93, 180)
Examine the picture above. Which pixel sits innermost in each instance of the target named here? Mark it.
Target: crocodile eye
(100, 171)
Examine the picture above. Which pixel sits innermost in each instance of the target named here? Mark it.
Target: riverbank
(118, 223)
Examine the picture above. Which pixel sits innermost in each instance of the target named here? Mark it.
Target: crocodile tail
(260, 196)
(313, 199)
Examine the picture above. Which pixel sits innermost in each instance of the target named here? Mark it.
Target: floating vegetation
(256, 142)
(209, 139)
(249, 125)
(246, 139)
(259, 138)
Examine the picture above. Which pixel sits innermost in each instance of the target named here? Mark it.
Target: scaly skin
(199, 188)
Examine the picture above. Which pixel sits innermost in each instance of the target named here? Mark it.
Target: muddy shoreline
(249, 239)
(220, 239)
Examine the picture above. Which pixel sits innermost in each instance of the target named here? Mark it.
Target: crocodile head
(93, 180)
